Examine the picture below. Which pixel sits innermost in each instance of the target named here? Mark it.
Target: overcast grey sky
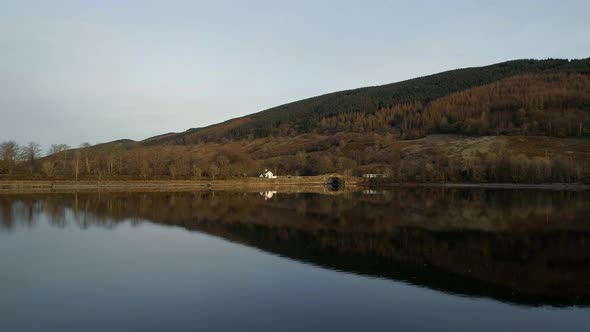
(75, 71)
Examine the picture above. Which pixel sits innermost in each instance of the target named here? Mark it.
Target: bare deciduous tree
(60, 149)
(30, 153)
(86, 151)
(47, 167)
(9, 151)
(76, 163)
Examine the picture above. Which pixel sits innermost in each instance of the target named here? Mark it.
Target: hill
(303, 116)
(524, 121)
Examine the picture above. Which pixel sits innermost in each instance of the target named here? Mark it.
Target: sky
(97, 71)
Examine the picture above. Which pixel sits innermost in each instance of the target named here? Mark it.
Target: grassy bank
(291, 183)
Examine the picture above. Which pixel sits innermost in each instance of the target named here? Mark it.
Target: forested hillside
(522, 121)
(533, 104)
(303, 116)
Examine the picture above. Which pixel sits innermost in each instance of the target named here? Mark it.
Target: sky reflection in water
(125, 261)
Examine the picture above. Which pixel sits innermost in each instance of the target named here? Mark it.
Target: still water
(404, 260)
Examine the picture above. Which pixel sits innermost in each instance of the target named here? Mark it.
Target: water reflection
(268, 194)
(520, 246)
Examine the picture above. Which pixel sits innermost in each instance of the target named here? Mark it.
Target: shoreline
(540, 186)
(292, 184)
(288, 184)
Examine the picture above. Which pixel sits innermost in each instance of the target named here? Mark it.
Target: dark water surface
(404, 260)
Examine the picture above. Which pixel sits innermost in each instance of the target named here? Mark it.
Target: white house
(267, 174)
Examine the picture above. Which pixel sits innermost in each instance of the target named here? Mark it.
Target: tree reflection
(522, 246)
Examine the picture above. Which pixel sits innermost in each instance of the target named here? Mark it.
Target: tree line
(350, 154)
(116, 161)
(18, 159)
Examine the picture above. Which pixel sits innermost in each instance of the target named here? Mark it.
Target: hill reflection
(520, 246)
